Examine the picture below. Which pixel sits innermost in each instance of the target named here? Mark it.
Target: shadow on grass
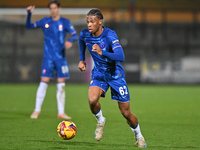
(13, 114)
(102, 145)
(174, 147)
(17, 114)
(82, 144)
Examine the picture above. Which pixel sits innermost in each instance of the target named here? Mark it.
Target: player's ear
(100, 21)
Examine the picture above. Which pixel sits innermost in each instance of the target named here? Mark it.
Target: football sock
(99, 116)
(136, 131)
(61, 97)
(40, 95)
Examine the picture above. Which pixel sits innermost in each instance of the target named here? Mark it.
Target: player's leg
(97, 89)
(40, 95)
(60, 95)
(131, 118)
(120, 93)
(47, 72)
(133, 123)
(126, 112)
(94, 95)
(62, 72)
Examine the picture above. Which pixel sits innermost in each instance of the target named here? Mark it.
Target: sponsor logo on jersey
(115, 42)
(46, 25)
(60, 27)
(102, 45)
(125, 96)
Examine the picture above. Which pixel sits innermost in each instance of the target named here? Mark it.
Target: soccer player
(55, 29)
(107, 53)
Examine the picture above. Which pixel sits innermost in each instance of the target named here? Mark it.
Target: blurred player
(55, 29)
(107, 53)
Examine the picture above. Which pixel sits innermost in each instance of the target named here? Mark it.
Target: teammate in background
(107, 53)
(55, 29)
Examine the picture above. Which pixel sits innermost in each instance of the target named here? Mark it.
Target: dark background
(161, 40)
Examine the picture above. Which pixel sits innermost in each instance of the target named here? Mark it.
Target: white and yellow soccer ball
(66, 129)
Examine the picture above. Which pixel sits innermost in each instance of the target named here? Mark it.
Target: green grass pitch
(169, 117)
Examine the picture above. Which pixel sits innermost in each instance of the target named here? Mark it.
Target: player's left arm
(74, 36)
(117, 54)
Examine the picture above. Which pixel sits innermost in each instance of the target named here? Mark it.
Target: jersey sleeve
(30, 25)
(70, 28)
(39, 23)
(82, 47)
(113, 40)
(117, 53)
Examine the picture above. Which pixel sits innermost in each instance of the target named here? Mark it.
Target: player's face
(94, 25)
(54, 10)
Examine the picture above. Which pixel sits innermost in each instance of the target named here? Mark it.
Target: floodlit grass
(169, 118)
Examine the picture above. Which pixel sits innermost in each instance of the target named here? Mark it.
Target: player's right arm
(82, 65)
(82, 48)
(30, 25)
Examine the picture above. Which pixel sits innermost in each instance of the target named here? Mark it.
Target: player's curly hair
(95, 12)
(54, 2)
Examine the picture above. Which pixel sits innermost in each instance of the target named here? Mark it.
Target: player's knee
(125, 113)
(45, 79)
(93, 99)
(61, 87)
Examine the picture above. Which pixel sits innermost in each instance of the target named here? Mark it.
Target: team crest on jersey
(102, 45)
(46, 25)
(44, 71)
(60, 27)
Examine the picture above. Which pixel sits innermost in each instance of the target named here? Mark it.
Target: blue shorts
(50, 67)
(119, 88)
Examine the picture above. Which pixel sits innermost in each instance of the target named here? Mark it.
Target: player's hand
(68, 45)
(31, 8)
(82, 65)
(97, 49)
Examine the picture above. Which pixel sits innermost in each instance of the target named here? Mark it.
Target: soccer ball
(66, 129)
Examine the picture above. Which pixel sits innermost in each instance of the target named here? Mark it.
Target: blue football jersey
(54, 36)
(107, 41)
